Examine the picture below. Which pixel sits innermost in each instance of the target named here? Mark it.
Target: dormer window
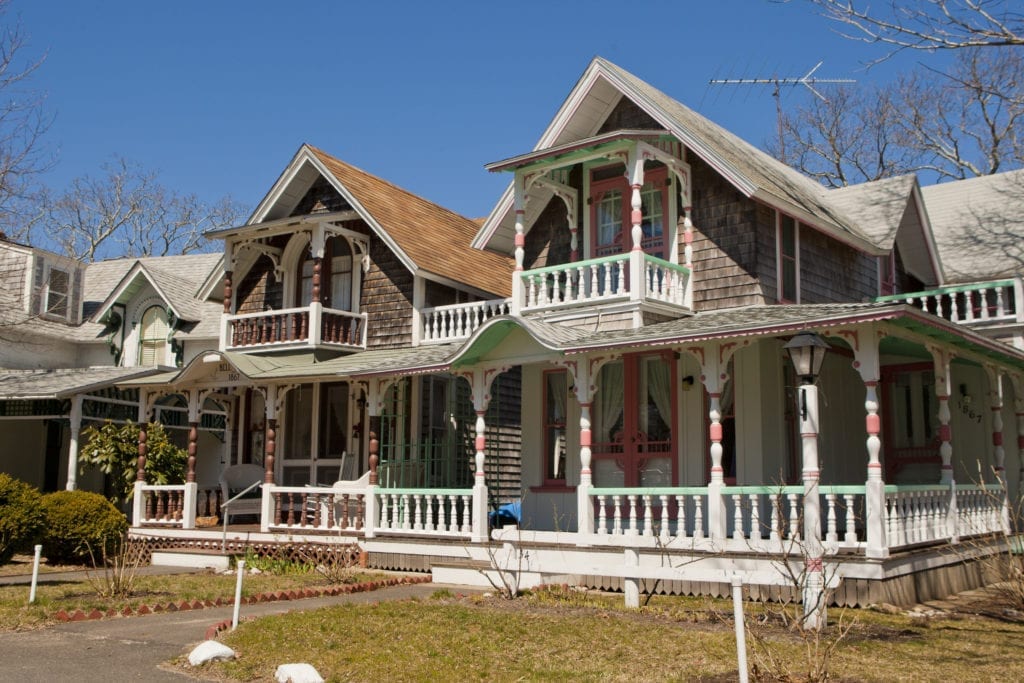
(57, 292)
(153, 337)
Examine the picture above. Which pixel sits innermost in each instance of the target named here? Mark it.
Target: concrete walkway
(131, 649)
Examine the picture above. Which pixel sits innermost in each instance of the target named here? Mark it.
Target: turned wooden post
(193, 445)
(317, 267)
(140, 473)
(227, 291)
(268, 457)
(374, 459)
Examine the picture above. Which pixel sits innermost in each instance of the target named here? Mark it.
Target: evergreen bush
(21, 516)
(80, 526)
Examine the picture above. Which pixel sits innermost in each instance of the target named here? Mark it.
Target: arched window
(341, 274)
(153, 336)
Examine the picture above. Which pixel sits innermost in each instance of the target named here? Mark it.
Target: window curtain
(609, 399)
(557, 397)
(659, 388)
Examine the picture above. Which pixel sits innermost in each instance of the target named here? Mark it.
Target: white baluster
(794, 517)
(851, 519)
(681, 516)
(663, 531)
(617, 513)
(602, 515)
(755, 517)
(775, 534)
(737, 516)
(698, 517)
(633, 530)
(832, 533)
(467, 523)
(648, 517)
(1000, 302)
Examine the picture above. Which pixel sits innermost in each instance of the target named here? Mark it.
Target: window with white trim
(788, 250)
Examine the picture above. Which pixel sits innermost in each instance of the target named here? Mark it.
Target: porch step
(198, 559)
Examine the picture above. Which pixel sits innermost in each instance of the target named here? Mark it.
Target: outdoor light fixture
(807, 351)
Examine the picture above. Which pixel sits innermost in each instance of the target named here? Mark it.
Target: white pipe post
(238, 594)
(35, 575)
(814, 587)
(741, 632)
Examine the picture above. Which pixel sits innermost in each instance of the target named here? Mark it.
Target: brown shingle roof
(436, 239)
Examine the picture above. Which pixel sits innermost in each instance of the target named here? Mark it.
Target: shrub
(80, 524)
(114, 449)
(21, 516)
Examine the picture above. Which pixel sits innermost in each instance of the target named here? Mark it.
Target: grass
(22, 564)
(544, 637)
(16, 614)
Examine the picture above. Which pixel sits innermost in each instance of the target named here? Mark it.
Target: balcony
(996, 307)
(311, 326)
(631, 277)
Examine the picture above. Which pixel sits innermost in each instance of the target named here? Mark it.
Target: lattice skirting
(350, 554)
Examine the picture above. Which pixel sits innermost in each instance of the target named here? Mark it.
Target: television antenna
(808, 80)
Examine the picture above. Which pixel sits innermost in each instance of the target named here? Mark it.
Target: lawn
(52, 596)
(566, 636)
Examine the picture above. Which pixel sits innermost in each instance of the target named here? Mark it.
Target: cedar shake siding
(387, 299)
(832, 272)
(627, 116)
(320, 198)
(549, 241)
(727, 249)
(259, 289)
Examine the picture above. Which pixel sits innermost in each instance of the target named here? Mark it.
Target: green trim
(668, 264)
(576, 264)
(945, 290)
(424, 492)
(657, 491)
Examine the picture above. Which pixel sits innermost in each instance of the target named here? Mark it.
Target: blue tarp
(509, 513)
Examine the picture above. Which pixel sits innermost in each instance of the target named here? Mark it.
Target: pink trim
(874, 424)
(481, 443)
(715, 431)
(520, 240)
(585, 437)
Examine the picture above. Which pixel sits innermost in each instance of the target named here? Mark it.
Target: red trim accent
(715, 432)
(874, 424)
(997, 438)
(655, 177)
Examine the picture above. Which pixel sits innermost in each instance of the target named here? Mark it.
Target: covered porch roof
(27, 385)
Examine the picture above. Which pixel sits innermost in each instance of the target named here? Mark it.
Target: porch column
(75, 417)
(195, 401)
(138, 499)
(814, 607)
(1018, 407)
(227, 292)
(225, 329)
(637, 281)
(995, 393)
(713, 376)
(371, 509)
(868, 366)
(270, 413)
(519, 204)
(942, 391)
(583, 373)
(480, 520)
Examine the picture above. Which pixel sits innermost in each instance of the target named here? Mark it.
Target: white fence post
(188, 514)
(138, 504)
(371, 511)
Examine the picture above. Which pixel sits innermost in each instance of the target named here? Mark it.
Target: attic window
(57, 293)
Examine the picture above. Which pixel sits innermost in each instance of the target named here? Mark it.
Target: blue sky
(217, 96)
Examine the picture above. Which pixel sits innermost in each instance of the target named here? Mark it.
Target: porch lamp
(807, 351)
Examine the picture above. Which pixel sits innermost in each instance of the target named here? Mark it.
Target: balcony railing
(633, 276)
(312, 325)
(979, 303)
(459, 321)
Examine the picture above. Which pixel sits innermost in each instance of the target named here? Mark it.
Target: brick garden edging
(272, 596)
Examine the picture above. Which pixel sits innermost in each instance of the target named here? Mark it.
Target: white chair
(232, 481)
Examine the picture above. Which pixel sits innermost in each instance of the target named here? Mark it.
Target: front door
(634, 414)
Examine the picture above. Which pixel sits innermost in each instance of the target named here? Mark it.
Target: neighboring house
(608, 350)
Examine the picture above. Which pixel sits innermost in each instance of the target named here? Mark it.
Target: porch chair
(232, 481)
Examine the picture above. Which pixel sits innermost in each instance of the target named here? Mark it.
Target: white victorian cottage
(613, 357)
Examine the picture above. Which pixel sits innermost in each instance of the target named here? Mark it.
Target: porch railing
(315, 509)
(760, 518)
(164, 505)
(459, 321)
(312, 325)
(433, 512)
(998, 301)
(632, 276)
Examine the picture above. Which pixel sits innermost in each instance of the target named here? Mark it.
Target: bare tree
(23, 121)
(965, 123)
(128, 212)
(928, 24)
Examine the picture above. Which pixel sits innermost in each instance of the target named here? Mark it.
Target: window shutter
(74, 314)
(38, 271)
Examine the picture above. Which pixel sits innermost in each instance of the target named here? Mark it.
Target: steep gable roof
(891, 212)
(750, 170)
(978, 226)
(176, 278)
